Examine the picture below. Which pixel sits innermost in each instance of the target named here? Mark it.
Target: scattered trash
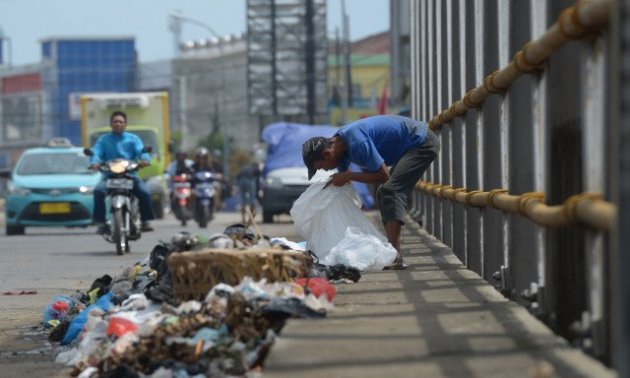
(22, 292)
(140, 323)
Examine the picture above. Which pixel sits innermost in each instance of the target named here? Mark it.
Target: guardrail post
(620, 111)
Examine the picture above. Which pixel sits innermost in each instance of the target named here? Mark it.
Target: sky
(27, 22)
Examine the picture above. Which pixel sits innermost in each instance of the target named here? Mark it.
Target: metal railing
(520, 94)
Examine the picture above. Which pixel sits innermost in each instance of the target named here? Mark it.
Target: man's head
(181, 155)
(118, 122)
(317, 154)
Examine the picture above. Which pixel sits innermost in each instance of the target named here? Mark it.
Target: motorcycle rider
(180, 166)
(120, 144)
(202, 163)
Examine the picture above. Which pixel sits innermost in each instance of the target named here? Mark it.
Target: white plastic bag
(321, 216)
(362, 251)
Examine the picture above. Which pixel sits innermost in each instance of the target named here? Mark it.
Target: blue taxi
(50, 186)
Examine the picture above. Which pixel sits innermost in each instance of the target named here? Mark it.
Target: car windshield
(54, 163)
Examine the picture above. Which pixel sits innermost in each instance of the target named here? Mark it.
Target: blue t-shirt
(380, 139)
(113, 146)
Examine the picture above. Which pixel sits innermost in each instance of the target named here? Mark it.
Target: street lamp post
(176, 19)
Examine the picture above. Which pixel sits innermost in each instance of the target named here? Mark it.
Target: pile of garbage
(131, 325)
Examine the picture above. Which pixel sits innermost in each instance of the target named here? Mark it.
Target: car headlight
(86, 189)
(273, 182)
(17, 190)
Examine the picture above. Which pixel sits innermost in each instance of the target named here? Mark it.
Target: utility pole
(347, 64)
(309, 56)
(175, 24)
(176, 20)
(182, 113)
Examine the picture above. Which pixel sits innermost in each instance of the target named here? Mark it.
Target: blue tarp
(284, 143)
(284, 149)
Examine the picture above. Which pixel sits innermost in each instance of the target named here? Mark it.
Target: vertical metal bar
(431, 102)
(424, 58)
(539, 19)
(622, 105)
(478, 214)
(447, 132)
(594, 169)
(414, 66)
(464, 52)
(439, 79)
(504, 130)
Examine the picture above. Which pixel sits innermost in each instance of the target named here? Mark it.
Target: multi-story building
(369, 77)
(209, 91)
(80, 65)
(41, 101)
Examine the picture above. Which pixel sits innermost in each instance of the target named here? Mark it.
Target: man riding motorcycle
(181, 165)
(120, 144)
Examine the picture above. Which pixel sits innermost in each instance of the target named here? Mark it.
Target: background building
(79, 65)
(209, 93)
(41, 101)
(369, 72)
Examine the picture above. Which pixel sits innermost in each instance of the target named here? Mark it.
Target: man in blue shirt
(375, 143)
(120, 144)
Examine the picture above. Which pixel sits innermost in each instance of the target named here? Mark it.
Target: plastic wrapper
(362, 251)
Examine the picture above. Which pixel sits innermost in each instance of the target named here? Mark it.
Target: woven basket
(195, 273)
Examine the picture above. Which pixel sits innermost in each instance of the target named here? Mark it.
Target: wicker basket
(195, 273)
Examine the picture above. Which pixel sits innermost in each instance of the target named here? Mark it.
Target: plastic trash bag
(322, 215)
(104, 303)
(326, 217)
(119, 326)
(362, 251)
(58, 308)
(318, 286)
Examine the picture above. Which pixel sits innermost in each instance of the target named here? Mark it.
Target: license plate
(54, 208)
(119, 184)
(204, 186)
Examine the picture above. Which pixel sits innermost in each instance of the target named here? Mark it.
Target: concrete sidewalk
(435, 319)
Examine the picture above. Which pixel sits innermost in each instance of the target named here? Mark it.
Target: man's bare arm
(342, 178)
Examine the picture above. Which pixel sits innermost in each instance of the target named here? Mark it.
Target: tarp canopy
(284, 149)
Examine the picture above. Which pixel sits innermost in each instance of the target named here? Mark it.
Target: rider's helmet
(202, 152)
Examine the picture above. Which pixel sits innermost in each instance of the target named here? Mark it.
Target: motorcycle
(124, 209)
(181, 197)
(205, 187)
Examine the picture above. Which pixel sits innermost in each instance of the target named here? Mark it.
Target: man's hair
(312, 152)
(118, 113)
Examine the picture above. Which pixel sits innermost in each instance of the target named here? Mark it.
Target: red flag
(382, 101)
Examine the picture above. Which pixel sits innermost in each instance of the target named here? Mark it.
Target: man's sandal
(398, 264)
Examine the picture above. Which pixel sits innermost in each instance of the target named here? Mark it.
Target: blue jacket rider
(120, 144)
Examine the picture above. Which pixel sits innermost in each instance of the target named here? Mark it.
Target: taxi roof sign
(60, 142)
